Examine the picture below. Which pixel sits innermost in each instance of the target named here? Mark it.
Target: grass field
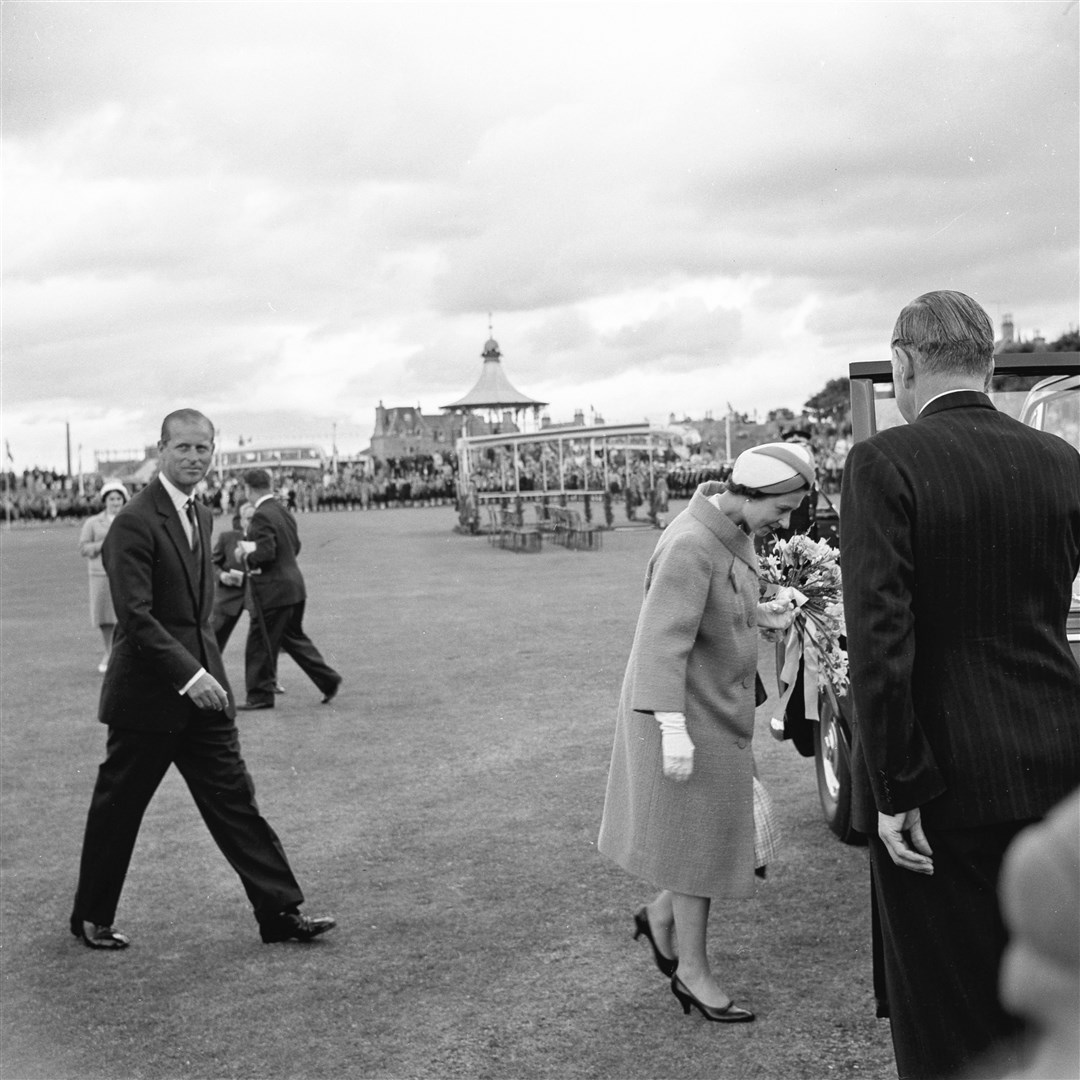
(444, 808)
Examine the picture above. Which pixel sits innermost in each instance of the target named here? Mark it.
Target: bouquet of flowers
(812, 568)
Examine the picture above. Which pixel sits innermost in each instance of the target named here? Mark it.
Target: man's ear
(903, 366)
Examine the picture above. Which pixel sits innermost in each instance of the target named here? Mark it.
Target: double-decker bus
(277, 460)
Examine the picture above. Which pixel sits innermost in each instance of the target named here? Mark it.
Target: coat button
(747, 683)
(740, 743)
(751, 620)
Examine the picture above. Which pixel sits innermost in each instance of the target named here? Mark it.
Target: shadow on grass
(444, 808)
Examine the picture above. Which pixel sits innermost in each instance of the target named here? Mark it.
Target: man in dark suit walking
(278, 597)
(960, 540)
(230, 588)
(166, 701)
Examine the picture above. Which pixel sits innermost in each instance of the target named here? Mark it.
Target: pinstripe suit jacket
(960, 539)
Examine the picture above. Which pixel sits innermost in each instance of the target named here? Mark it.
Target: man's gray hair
(950, 333)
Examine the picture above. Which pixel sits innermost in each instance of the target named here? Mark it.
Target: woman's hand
(675, 746)
(779, 612)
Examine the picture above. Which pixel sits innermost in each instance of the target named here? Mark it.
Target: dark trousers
(941, 942)
(207, 755)
(284, 632)
(223, 625)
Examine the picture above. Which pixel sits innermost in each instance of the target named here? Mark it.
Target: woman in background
(113, 495)
(679, 806)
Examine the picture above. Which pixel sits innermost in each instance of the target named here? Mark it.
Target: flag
(7, 450)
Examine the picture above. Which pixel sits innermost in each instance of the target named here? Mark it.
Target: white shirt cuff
(193, 680)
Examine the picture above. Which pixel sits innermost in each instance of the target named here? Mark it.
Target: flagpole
(9, 495)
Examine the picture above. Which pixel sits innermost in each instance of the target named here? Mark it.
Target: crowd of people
(637, 480)
(42, 496)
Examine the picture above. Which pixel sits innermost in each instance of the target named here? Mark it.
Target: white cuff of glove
(675, 745)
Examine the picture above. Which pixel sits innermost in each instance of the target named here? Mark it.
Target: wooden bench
(572, 531)
(505, 532)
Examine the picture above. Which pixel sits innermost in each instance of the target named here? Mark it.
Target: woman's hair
(745, 492)
(950, 333)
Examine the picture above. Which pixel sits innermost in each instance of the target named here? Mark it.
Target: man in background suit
(278, 599)
(960, 540)
(230, 585)
(166, 701)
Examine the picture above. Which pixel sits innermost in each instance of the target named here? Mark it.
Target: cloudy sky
(283, 213)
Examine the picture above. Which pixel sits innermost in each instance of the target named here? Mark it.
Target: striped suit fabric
(960, 540)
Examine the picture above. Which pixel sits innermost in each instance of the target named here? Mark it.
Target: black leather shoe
(666, 964)
(292, 926)
(249, 706)
(94, 936)
(729, 1014)
(331, 694)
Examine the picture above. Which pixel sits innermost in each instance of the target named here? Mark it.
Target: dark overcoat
(959, 551)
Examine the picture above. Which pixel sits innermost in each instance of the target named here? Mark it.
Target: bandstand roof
(493, 390)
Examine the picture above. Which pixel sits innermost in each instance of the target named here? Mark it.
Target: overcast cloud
(285, 213)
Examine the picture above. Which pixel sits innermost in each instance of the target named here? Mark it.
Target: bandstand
(521, 478)
(494, 394)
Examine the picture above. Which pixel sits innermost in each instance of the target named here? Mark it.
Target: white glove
(675, 744)
(779, 612)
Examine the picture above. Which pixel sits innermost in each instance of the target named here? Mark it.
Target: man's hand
(903, 836)
(208, 693)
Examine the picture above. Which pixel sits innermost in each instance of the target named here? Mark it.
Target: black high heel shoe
(729, 1014)
(667, 965)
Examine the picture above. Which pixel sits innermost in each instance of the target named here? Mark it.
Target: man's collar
(956, 399)
(262, 498)
(179, 499)
(955, 390)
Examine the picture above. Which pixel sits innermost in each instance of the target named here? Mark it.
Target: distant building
(406, 432)
(1009, 342)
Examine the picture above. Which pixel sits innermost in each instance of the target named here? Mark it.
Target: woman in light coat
(113, 495)
(679, 806)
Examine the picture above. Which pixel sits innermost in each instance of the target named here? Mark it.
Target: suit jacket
(960, 541)
(228, 599)
(163, 594)
(278, 581)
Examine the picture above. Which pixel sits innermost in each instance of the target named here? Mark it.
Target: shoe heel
(683, 1000)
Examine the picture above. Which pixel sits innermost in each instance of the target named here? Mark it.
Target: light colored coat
(695, 651)
(91, 539)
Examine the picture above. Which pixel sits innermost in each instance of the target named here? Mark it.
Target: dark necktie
(189, 506)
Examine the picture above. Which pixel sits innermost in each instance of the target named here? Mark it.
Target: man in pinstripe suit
(960, 539)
